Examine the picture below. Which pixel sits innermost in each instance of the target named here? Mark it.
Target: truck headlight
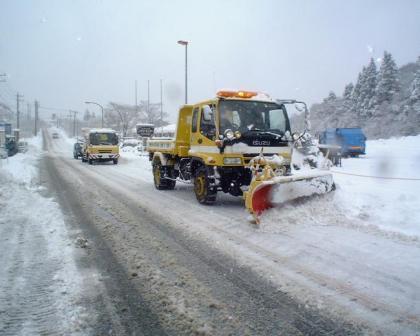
(229, 134)
(232, 161)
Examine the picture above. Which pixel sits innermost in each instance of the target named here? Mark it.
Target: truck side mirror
(207, 113)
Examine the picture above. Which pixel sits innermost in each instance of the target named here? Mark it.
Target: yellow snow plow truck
(239, 143)
(100, 145)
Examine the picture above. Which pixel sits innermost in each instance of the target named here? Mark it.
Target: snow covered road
(317, 251)
(158, 262)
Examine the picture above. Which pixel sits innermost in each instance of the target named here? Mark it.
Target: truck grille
(248, 157)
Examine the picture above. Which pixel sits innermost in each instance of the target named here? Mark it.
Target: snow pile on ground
(22, 165)
(39, 281)
(391, 205)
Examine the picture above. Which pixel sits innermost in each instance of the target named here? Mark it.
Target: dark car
(77, 150)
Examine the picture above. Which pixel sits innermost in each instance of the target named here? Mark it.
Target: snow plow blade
(267, 191)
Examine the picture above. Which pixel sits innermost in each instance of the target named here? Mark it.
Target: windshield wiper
(264, 132)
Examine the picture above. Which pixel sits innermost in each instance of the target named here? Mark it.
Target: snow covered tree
(331, 97)
(359, 94)
(357, 88)
(415, 85)
(348, 98)
(388, 83)
(369, 87)
(348, 91)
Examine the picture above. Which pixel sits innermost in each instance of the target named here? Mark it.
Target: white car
(22, 146)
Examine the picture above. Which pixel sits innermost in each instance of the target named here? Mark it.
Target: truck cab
(100, 145)
(215, 141)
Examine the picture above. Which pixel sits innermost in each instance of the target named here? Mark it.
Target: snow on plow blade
(264, 194)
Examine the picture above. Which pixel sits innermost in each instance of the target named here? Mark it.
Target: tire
(83, 158)
(115, 161)
(160, 182)
(75, 157)
(204, 193)
(90, 161)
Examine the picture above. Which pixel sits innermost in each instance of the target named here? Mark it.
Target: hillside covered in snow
(384, 102)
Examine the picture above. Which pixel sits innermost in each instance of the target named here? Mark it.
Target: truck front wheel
(204, 192)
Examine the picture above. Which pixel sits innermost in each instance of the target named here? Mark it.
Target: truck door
(194, 125)
(207, 122)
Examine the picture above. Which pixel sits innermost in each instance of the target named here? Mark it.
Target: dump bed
(180, 144)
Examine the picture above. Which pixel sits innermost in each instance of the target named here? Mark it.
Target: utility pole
(28, 111)
(18, 100)
(161, 105)
(148, 99)
(74, 122)
(36, 117)
(135, 95)
(185, 44)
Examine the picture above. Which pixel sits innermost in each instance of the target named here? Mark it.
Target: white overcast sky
(65, 52)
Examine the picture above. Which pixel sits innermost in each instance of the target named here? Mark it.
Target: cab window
(207, 123)
(194, 120)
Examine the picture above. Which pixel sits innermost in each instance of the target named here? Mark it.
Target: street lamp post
(185, 43)
(102, 110)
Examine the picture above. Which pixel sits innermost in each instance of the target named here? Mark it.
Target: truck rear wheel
(90, 161)
(204, 192)
(159, 177)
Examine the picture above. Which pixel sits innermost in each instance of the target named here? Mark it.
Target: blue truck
(351, 140)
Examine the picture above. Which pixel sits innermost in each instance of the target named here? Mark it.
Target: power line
(378, 177)
(6, 101)
(53, 108)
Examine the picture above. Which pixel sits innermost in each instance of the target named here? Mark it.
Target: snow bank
(22, 165)
(389, 205)
(46, 280)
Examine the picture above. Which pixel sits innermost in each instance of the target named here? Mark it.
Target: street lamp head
(182, 42)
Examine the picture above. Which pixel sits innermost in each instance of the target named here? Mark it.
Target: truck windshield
(250, 116)
(103, 139)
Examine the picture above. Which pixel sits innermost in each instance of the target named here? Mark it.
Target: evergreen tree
(331, 97)
(348, 91)
(348, 97)
(415, 85)
(388, 83)
(359, 94)
(356, 90)
(369, 87)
